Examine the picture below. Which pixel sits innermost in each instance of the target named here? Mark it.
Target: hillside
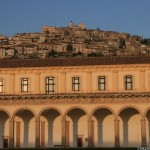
(74, 40)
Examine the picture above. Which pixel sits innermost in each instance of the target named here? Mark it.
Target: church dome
(81, 25)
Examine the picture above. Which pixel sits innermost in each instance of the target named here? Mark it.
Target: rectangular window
(24, 85)
(50, 85)
(128, 82)
(101, 83)
(75, 84)
(1, 85)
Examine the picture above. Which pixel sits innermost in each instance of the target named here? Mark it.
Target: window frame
(48, 85)
(101, 83)
(74, 83)
(23, 85)
(128, 82)
(2, 85)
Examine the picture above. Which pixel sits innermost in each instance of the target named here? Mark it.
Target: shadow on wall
(105, 128)
(130, 128)
(3, 128)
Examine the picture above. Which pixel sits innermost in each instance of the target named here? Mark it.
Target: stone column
(92, 126)
(42, 133)
(142, 80)
(143, 132)
(37, 132)
(63, 130)
(117, 134)
(18, 134)
(90, 133)
(67, 134)
(11, 134)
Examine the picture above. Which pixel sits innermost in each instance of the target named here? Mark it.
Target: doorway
(5, 142)
(79, 141)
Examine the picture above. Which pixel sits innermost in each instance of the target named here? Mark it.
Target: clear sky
(131, 16)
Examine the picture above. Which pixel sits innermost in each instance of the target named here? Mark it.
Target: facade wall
(118, 120)
(114, 78)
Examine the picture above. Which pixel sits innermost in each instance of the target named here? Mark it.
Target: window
(128, 82)
(101, 83)
(1, 85)
(24, 85)
(50, 85)
(75, 84)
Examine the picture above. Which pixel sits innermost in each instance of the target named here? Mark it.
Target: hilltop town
(72, 41)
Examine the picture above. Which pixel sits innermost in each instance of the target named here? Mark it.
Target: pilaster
(89, 82)
(63, 84)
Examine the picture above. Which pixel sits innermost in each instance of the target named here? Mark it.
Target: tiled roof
(62, 62)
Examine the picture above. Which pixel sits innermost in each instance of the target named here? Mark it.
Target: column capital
(37, 119)
(143, 119)
(63, 119)
(89, 118)
(116, 120)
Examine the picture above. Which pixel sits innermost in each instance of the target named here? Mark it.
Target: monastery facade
(77, 102)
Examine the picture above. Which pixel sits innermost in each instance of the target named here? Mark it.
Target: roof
(83, 61)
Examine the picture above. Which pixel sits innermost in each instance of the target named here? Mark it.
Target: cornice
(76, 95)
(118, 67)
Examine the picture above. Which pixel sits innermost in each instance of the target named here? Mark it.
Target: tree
(144, 41)
(95, 54)
(52, 53)
(69, 48)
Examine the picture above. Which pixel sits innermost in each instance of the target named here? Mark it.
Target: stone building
(48, 29)
(80, 102)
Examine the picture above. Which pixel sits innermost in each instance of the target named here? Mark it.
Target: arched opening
(24, 129)
(103, 126)
(4, 129)
(50, 128)
(148, 127)
(130, 127)
(76, 128)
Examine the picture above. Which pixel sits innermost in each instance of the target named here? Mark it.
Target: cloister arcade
(75, 127)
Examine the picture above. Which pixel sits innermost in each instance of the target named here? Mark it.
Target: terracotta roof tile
(62, 62)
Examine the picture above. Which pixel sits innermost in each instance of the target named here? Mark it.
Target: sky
(130, 16)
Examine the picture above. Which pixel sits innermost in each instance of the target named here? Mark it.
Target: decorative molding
(96, 67)
(75, 98)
